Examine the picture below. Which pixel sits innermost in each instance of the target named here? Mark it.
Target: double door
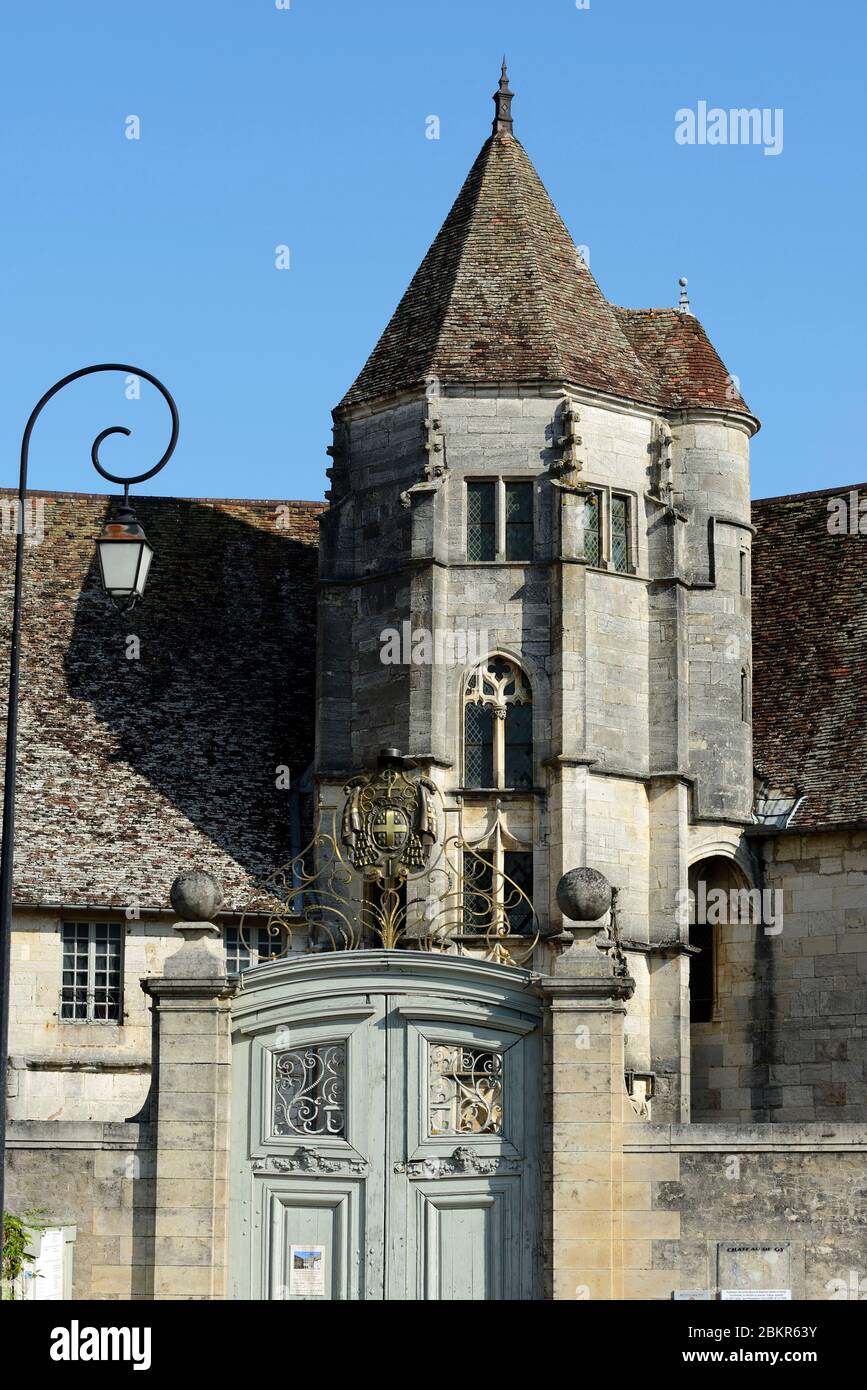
(385, 1140)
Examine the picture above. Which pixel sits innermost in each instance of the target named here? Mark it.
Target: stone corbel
(436, 467)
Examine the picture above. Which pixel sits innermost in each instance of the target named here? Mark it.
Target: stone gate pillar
(585, 1102)
(191, 1003)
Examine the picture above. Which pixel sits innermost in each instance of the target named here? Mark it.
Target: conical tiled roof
(502, 295)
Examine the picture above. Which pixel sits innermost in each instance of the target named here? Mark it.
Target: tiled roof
(677, 349)
(131, 768)
(503, 296)
(810, 658)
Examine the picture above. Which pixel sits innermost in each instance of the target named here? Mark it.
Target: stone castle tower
(547, 498)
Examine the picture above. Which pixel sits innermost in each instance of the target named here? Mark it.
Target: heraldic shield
(381, 871)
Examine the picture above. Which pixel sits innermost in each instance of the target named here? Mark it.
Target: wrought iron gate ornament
(381, 872)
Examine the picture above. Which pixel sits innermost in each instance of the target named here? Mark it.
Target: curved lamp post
(124, 561)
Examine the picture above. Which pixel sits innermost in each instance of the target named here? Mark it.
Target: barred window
(619, 532)
(481, 521)
(519, 521)
(498, 727)
(92, 982)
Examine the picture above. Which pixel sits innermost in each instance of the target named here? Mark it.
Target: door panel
(319, 1219)
(466, 1242)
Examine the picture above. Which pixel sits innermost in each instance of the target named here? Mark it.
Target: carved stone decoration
(308, 1161)
(464, 1161)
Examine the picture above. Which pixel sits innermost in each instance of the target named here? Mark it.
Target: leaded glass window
(518, 738)
(466, 1090)
(481, 521)
(592, 525)
(479, 746)
(310, 1090)
(478, 883)
(619, 533)
(498, 727)
(519, 521)
(91, 990)
(518, 872)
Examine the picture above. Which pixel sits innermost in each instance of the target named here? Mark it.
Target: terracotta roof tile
(810, 658)
(130, 769)
(677, 349)
(503, 296)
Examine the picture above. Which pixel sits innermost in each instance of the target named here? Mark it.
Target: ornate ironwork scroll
(379, 872)
(310, 1090)
(466, 1090)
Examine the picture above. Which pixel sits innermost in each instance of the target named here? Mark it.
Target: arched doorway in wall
(720, 931)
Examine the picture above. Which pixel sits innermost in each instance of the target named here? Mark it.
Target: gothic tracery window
(498, 727)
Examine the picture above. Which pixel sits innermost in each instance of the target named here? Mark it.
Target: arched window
(498, 727)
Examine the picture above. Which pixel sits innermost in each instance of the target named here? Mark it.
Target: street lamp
(125, 556)
(124, 561)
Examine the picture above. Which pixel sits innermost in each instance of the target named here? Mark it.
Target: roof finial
(683, 306)
(503, 104)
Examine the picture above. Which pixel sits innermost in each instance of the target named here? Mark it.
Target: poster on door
(307, 1271)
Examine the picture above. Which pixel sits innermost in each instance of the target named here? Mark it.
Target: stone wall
(690, 1188)
(98, 1178)
(789, 1043)
(77, 1070)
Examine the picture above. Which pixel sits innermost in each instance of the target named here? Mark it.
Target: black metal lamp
(125, 556)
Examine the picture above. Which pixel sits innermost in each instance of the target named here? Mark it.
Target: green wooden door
(386, 1131)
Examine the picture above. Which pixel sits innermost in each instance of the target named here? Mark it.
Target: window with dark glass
(482, 521)
(518, 871)
(592, 529)
(498, 727)
(620, 533)
(91, 990)
(478, 881)
(519, 746)
(479, 746)
(519, 521)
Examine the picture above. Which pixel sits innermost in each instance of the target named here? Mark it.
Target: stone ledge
(759, 1138)
(85, 1059)
(78, 1134)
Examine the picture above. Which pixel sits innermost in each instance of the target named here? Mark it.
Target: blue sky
(305, 127)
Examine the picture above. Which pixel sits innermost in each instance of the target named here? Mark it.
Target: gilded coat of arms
(389, 822)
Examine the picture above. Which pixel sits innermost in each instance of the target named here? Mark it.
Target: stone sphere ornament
(196, 896)
(583, 895)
